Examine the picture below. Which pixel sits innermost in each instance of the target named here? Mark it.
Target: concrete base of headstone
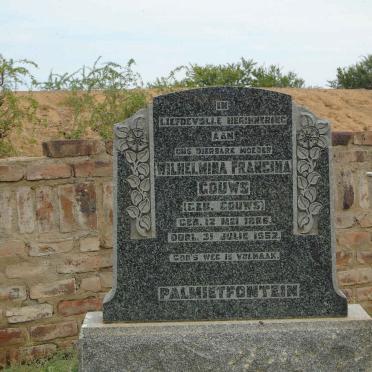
(321, 344)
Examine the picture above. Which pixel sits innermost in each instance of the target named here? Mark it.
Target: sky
(309, 37)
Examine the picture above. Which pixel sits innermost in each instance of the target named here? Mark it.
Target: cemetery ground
(346, 109)
(84, 182)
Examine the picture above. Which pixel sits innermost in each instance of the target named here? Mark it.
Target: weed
(99, 96)
(14, 108)
(59, 362)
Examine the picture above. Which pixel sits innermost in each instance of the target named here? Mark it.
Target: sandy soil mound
(347, 110)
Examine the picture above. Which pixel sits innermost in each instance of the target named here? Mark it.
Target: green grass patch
(60, 362)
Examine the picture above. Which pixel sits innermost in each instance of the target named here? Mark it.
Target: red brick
(86, 205)
(363, 191)
(106, 279)
(28, 313)
(89, 244)
(353, 238)
(11, 173)
(341, 138)
(51, 331)
(12, 248)
(364, 257)
(15, 292)
(93, 168)
(107, 215)
(352, 156)
(77, 205)
(69, 148)
(348, 277)
(75, 307)
(6, 211)
(347, 188)
(45, 214)
(66, 343)
(344, 258)
(91, 284)
(365, 275)
(28, 270)
(109, 147)
(48, 171)
(84, 263)
(48, 248)
(364, 294)
(66, 198)
(363, 138)
(28, 354)
(25, 209)
(12, 336)
(365, 220)
(345, 220)
(61, 287)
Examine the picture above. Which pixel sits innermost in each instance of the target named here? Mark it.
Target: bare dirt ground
(347, 110)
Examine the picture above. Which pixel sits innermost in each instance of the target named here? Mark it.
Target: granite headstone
(222, 210)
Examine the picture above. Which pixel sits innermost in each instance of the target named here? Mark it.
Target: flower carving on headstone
(132, 140)
(311, 140)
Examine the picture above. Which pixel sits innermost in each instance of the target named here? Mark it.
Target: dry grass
(346, 109)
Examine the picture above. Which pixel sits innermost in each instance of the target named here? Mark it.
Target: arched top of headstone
(223, 210)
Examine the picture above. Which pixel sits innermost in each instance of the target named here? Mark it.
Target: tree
(354, 76)
(14, 107)
(243, 73)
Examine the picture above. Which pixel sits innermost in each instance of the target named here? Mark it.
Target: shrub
(14, 107)
(243, 73)
(354, 76)
(99, 96)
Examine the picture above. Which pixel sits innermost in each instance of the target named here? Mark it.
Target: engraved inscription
(222, 105)
(223, 150)
(223, 236)
(224, 221)
(224, 257)
(229, 292)
(233, 167)
(224, 205)
(229, 187)
(221, 136)
(204, 121)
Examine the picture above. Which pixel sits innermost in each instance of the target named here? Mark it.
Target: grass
(60, 362)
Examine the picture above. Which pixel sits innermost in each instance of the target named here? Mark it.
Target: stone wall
(56, 244)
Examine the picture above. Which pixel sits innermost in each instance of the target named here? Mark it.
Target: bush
(99, 96)
(14, 107)
(243, 73)
(354, 76)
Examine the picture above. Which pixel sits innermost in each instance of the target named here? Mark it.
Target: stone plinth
(320, 344)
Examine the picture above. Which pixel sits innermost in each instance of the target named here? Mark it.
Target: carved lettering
(229, 292)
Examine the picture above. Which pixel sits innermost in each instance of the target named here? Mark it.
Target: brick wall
(352, 189)
(56, 244)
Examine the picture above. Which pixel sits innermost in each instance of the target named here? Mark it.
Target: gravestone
(222, 210)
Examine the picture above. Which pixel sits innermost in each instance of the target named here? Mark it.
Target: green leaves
(242, 73)
(14, 107)
(119, 96)
(355, 76)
